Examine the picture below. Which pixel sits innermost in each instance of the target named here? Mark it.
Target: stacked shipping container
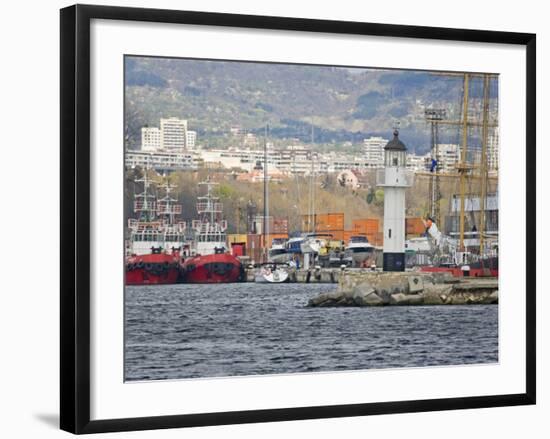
(329, 223)
(369, 227)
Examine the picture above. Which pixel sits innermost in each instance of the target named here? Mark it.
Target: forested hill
(343, 104)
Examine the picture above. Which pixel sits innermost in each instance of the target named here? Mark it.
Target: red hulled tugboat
(212, 263)
(156, 239)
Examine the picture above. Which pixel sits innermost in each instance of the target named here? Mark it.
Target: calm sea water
(188, 331)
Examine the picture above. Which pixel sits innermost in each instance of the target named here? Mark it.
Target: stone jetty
(368, 288)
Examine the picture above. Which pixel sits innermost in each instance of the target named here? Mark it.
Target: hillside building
(373, 149)
(449, 156)
(191, 139)
(150, 139)
(161, 161)
(353, 179)
(173, 133)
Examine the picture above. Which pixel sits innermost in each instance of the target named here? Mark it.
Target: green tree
(379, 197)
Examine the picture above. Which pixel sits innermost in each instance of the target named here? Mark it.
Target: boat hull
(276, 276)
(215, 268)
(360, 258)
(153, 269)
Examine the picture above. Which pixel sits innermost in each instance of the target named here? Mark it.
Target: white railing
(140, 205)
(169, 209)
(209, 207)
(204, 227)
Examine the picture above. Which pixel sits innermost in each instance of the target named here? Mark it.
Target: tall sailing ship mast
(471, 246)
(265, 219)
(477, 172)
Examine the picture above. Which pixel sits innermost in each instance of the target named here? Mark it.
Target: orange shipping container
(330, 220)
(376, 239)
(414, 226)
(279, 225)
(324, 222)
(347, 235)
(366, 225)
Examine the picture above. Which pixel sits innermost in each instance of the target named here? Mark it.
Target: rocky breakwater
(367, 288)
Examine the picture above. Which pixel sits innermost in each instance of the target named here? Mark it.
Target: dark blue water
(188, 331)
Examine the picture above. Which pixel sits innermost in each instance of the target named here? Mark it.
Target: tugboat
(212, 262)
(156, 239)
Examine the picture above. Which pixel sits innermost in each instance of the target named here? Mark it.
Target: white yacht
(360, 251)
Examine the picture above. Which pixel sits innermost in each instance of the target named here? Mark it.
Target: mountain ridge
(342, 104)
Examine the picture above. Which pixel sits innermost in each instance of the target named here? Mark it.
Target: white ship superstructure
(173, 232)
(210, 230)
(145, 230)
(155, 228)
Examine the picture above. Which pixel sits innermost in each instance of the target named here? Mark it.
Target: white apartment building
(418, 163)
(340, 162)
(161, 160)
(173, 132)
(449, 156)
(292, 160)
(191, 139)
(373, 148)
(150, 139)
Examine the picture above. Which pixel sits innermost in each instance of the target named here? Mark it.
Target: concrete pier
(367, 288)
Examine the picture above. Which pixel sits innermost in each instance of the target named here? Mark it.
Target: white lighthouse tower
(395, 179)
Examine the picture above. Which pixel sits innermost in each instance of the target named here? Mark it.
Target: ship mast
(166, 205)
(483, 164)
(463, 168)
(313, 225)
(266, 198)
(434, 116)
(144, 203)
(209, 227)
(311, 199)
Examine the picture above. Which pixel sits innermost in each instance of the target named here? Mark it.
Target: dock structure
(366, 288)
(313, 275)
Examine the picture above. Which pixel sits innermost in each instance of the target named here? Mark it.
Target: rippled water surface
(188, 331)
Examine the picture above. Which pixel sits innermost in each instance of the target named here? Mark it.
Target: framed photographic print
(271, 218)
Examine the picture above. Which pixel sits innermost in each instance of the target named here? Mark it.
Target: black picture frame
(75, 217)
